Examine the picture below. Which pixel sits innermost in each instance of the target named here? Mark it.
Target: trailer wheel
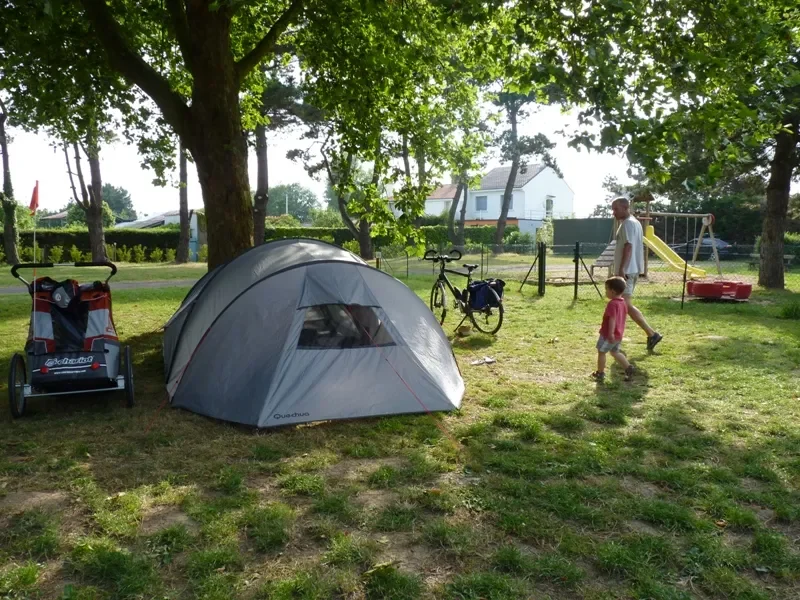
(17, 378)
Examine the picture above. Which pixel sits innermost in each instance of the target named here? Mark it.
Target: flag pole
(33, 207)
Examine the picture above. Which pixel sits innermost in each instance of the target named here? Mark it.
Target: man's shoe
(653, 340)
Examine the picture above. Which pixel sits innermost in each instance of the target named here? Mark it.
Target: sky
(34, 158)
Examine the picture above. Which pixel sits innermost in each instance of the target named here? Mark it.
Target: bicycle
(487, 319)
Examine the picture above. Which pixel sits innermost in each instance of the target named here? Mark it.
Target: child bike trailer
(72, 345)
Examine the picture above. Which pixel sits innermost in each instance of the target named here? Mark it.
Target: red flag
(35, 198)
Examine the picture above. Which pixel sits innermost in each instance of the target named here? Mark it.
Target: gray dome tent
(300, 330)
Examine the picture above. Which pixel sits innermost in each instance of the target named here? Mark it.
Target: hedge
(167, 237)
(434, 235)
(157, 237)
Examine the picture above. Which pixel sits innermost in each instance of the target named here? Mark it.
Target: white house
(539, 193)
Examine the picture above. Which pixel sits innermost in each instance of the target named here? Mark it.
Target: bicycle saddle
(470, 267)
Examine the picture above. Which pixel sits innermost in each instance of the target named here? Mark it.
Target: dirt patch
(17, 502)
(376, 499)
(641, 527)
(163, 517)
(354, 469)
(750, 484)
(410, 556)
(639, 488)
(552, 377)
(765, 515)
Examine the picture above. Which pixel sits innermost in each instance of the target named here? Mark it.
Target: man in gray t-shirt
(629, 261)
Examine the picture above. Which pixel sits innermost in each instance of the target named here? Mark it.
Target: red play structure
(719, 290)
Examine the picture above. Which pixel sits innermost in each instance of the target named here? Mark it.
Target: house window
(511, 203)
(480, 203)
(342, 326)
(548, 207)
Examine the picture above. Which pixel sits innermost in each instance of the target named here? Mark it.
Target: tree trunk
(365, 240)
(216, 140)
(451, 216)
(182, 255)
(463, 217)
(782, 167)
(94, 214)
(508, 194)
(261, 198)
(10, 236)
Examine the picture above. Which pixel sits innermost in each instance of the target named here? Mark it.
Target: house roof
(444, 192)
(153, 221)
(55, 217)
(496, 179)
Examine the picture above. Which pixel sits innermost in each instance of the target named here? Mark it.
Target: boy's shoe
(630, 372)
(599, 377)
(653, 340)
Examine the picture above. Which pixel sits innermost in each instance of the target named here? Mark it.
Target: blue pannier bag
(479, 296)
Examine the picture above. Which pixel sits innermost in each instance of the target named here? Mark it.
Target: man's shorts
(630, 284)
(603, 345)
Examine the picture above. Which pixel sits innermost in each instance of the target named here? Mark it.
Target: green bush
(75, 254)
(2, 257)
(25, 254)
(161, 237)
(352, 246)
(55, 254)
(138, 254)
(157, 255)
(281, 221)
(123, 254)
(202, 254)
(87, 257)
(517, 238)
(171, 255)
(545, 233)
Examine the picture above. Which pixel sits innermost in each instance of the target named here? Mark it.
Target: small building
(52, 221)
(197, 234)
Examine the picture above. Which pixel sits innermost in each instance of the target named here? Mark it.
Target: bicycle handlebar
(445, 258)
(49, 265)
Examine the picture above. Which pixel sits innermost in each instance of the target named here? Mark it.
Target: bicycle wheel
(489, 319)
(439, 302)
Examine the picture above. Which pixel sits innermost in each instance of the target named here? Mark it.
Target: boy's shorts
(630, 284)
(603, 345)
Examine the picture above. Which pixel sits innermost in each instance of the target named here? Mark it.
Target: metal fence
(664, 274)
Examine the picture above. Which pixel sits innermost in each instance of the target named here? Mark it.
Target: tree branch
(267, 44)
(83, 202)
(133, 67)
(177, 12)
(69, 172)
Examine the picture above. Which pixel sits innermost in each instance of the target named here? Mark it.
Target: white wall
(494, 204)
(548, 183)
(169, 220)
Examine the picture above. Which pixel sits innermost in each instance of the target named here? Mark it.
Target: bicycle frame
(463, 305)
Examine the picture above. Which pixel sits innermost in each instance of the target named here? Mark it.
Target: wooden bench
(755, 261)
(606, 259)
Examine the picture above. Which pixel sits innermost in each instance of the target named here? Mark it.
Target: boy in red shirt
(612, 330)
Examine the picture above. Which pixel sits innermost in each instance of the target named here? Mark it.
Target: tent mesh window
(342, 326)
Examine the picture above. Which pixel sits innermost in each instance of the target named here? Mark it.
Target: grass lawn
(682, 484)
(127, 272)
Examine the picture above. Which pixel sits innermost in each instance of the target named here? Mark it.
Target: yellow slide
(668, 255)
